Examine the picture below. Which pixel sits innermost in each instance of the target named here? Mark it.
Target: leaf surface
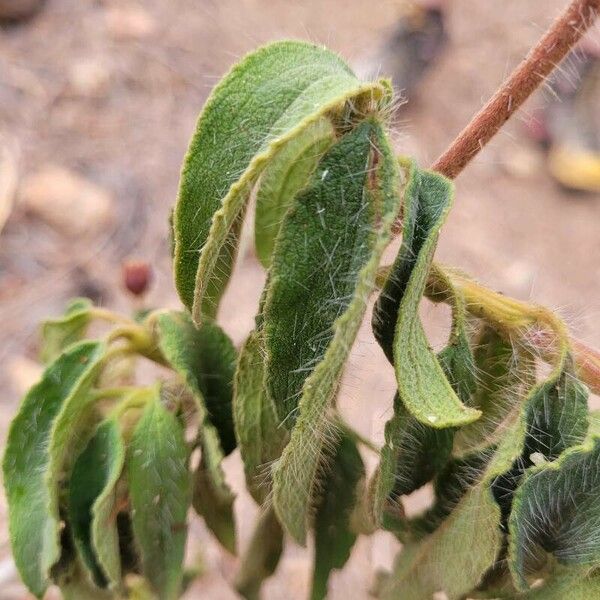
(33, 506)
(267, 99)
(322, 274)
(160, 495)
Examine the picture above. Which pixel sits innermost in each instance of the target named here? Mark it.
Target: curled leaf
(322, 274)
(30, 460)
(265, 101)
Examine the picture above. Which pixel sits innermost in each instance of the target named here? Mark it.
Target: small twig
(555, 44)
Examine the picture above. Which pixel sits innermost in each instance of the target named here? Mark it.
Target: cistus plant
(101, 472)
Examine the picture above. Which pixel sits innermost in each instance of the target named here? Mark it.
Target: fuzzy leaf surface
(334, 537)
(260, 436)
(285, 175)
(160, 495)
(267, 99)
(422, 383)
(322, 274)
(32, 503)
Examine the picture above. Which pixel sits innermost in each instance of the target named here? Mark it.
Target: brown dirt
(127, 131)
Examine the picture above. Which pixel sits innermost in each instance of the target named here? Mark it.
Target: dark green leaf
(205, 359)
(261, 556)
(323, 272)
(91, 507)
(334, 537)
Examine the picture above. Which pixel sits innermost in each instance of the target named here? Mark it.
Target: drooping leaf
(334, 537)
(160, 495)
(260, 436)
(285, 175)
(422, 383)
(205, 359)
(412, 454)
(323, 271)
(504, 377)
(266, 100)
(212, 497)
(91, 506)
(33, 506)
(557, 509)
(261, 556)
(58, 334)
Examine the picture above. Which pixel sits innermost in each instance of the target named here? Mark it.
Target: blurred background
(99, 98)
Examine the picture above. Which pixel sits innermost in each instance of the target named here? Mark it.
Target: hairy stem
(554, 45)
(534, 325)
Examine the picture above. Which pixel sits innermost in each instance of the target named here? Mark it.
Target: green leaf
(285, 175)
(260, 436)
(212, 498)
(567, 584)
(205, 359)
(58, 334)
(160, 494)
(334, 537)
(261, 556)
(412, 454)
(505, 374)
(557, 509)
(30, 461)
(423, 387)
(92, 499)
(322, 274)
(266, 100)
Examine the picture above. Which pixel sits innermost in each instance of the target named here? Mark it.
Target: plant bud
(137, 275)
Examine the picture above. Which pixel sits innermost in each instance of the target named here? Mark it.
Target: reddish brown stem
(564, 33)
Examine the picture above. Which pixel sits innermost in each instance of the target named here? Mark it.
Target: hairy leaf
(58, 334)
(266, 100)
(261, 556)
(160, 494)
(557, 508)
(212, 497)
(33, 505)
(412, 454)
(422, 384)
(334, 537)
(571, 584)
(259, 434)
(285, 175)
(205, 358)
(323, 272)
(91, 506)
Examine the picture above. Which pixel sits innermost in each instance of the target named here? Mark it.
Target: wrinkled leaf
(160, 494)
(91, 507)
(58, 334)
(423, 387)
(557, 508)
(334, 537)
(267, 99)
(322, 274)
(260, 437)
(205, 358)
(33, 505)
(285, 175)
(261, 556)
(212, 496)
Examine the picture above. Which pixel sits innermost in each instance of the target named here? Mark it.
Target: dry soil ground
(110, 90)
